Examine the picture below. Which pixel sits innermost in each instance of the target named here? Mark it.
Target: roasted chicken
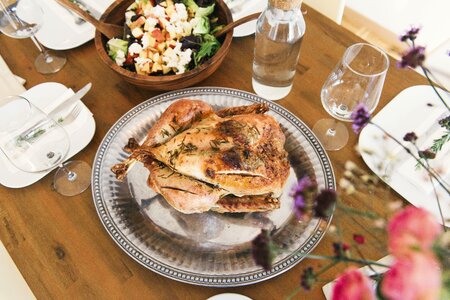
(232, 160)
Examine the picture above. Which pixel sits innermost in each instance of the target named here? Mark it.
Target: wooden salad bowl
(115, 14)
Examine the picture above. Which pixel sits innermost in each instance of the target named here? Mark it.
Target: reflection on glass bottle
(279, 33)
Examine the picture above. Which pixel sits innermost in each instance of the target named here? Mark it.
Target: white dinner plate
(80, 132)
(416, 109)
(242, 8)
(229, 296)
(60, 32)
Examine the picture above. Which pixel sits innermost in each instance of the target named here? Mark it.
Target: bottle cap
(285, 4)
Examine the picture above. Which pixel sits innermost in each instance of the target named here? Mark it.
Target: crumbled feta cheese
(181, 11)
(128, 16)
(134, 48)
(120, 58)
(158, 12)
(151, 23)
(177, 58)
(145, 40)
(142, 60)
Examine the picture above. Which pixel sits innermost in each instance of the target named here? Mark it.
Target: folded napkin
(12, 284)
(10, 84)
(387, 260)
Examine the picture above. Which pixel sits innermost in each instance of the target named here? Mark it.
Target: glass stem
(71, 176)
(332, 130)
(47, 57)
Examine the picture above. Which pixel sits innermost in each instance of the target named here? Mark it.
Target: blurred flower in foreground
(307, 279)
(353, 285)
(410, 35)
(412, 277)
(427, 154)
(410, 137)
(412, 229)
(262, 250)
(413, 58)
(324, 203)
(303, 193)
(359, 239)
(360, 117)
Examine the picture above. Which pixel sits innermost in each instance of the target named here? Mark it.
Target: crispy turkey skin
(232, 160)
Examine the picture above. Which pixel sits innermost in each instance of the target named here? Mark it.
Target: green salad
(166, 37)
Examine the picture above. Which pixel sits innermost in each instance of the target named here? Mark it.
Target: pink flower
(412, 277)
(353, 285)
(412, 229)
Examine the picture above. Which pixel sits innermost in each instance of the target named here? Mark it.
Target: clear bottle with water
(279, 34)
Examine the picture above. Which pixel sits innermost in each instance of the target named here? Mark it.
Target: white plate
(229, 296)
(242, 8)
(80, 131)
(59, 30)
(415, 109)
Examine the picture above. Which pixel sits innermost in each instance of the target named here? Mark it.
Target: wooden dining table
(59, 243)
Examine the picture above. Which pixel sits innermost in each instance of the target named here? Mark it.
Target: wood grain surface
(59, 244)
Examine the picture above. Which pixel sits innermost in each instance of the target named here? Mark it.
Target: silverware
(55, 113)
(76, 18)
(72, 115)
(86, 7)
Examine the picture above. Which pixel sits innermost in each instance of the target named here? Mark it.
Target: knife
(83, 5)
(71, 100)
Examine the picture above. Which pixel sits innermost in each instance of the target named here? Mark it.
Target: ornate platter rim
(190, 277)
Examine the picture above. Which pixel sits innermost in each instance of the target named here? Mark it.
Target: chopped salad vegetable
(166, 37)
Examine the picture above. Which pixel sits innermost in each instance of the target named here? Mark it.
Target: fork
(72, 115)
(76, 18)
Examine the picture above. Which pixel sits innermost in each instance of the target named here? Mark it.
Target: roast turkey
(232, 160)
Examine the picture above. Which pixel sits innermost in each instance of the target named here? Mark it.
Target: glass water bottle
(279, 32)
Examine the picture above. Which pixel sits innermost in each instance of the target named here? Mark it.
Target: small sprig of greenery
(30, 138)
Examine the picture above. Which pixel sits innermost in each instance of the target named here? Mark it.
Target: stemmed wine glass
(34, 142)
(357, 78)
(21, 19)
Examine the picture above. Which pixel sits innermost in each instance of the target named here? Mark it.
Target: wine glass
(21, 19)
(357, 78)
(34, 142)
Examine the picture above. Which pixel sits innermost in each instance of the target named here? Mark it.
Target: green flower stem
(326, 268)
(429, 170)
(293, 293)
(367, 214)
(362, 256)
(435, 192)
(425, 71)
(347, 259)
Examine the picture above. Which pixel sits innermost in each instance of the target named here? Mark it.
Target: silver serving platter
(209, 249)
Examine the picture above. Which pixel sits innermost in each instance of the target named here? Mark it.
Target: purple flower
(341, 249)
(410, 137)
(307, 279)
(325, 203)
(302, 193)
(411, 34)
(413, 58)
(360, 117)
(427, 154)
(262, 250)
(445, 123)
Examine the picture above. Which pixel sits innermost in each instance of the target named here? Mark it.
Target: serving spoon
(112, 30)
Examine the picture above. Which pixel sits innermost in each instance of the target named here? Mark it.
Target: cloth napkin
(10, 84)
(387, 260)
(12, 284)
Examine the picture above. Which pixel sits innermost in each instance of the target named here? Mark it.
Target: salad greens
(208, 47)
(166, 36)
(116, 45)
